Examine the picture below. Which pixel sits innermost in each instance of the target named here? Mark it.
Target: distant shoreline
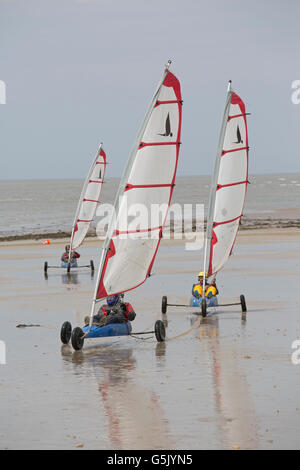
(249, 224)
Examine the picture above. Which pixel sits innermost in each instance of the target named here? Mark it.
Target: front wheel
(69, 267)
(45, 267)
(77, 338)
(243, 303)
(160, 331)
(92, 266)
(164, 303)
(65, 332)
(203, 307)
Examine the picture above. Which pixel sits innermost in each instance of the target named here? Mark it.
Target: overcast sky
(78, 72)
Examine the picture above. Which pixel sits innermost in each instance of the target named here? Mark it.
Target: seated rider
(65, 255)
(114, 311)
(210, 287)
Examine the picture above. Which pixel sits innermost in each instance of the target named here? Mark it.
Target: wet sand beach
(223, 382)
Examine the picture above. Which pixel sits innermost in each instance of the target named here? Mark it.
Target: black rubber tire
(204, 307)
(164, 304)
(45, 267)
(243, 303)
(160, 331)
(69, 267)
(66, 332)
(92, 265)
(77, 338)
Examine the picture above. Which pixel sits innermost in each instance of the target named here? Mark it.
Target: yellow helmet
(202, 274)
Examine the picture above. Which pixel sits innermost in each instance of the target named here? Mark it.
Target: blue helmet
(112, 299)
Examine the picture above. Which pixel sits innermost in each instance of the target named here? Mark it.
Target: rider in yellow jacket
(210, 287)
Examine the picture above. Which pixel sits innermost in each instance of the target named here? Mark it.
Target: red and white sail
(89, 199)
(149, 178)
(229, 185)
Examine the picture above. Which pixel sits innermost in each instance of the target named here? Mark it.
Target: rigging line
(196, 325)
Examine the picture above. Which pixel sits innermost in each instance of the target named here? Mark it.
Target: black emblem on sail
(238, 136)
(168, 128)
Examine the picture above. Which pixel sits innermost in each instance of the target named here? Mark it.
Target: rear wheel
(203, 307)
(160, 331)
(77, 338)
(92, 265)
(45, 267)
(164, 304)
(243, 303)
(65, 332)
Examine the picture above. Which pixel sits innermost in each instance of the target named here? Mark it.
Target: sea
(46, 208)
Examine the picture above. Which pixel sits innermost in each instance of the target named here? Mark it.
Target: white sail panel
(131, 206)
(222, 239)
(89, 199)
(158, 165)
(163, 124)
(231, 183)
(148, 179)
(232, 168)
(134, 253)
(229, 203)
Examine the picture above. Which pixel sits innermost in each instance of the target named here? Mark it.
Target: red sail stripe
(93, 181)
(236, 116)
(144, 230)
(158, 103)
(147, 144)
(215, 224)
(89, 200)
(233, 150)
(135, 186)
(220, 186)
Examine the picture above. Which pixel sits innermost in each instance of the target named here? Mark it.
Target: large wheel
(160, 331)
(45, 267)
(243, 303)
(65, 332)
(92, 265)
(164, 303)
(203, 307)
(77, 338)
(69, 267)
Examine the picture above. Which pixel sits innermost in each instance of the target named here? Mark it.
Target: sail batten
(148, 179)
(229, 184)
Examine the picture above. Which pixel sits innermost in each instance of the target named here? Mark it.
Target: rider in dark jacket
(65, 255)
(114, 311)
